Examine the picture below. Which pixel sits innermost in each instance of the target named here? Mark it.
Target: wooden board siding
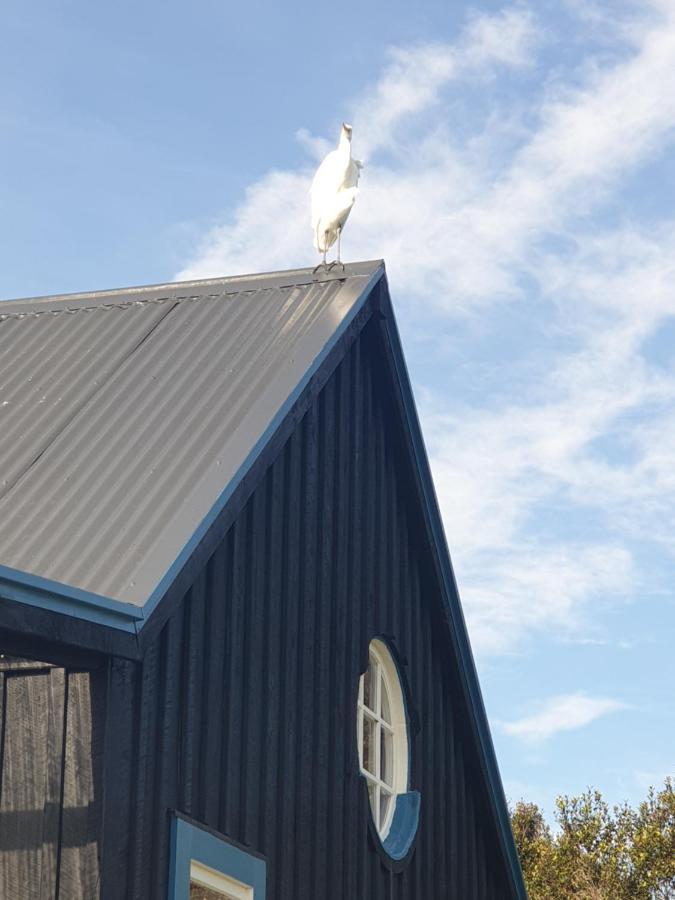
(50, 781)
(243, 712)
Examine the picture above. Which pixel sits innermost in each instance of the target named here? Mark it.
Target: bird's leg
(339, 261)
(325, 243)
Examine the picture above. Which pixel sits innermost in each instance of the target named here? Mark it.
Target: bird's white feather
(333, 193)
(332, 217)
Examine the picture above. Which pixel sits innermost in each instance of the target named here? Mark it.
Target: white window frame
(386, 676)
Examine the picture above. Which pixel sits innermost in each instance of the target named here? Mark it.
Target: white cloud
(497, 469)
(414, 79)
(269, 230)
(566, 712)
(653, 778)
(529, 588)
(266, 231)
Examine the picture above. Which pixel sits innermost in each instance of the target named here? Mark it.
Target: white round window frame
(388, 672)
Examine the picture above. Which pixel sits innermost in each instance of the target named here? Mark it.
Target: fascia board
(458, 629)
(23, 587)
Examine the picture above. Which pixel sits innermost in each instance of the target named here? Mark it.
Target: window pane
(372, 796)
(199, 892)
(369, 685)
(384, 712)
(385, 802)
(369, 746)
(386, 756)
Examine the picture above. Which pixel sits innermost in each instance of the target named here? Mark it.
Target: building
(233, 650)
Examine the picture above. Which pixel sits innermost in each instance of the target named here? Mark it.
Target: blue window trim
(190, 842)
(403, 826)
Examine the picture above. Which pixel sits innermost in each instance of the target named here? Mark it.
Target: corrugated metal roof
(125, 415)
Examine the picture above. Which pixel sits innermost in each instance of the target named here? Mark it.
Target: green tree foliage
(598, 853)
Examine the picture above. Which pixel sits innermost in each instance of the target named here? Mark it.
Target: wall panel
(51, 736)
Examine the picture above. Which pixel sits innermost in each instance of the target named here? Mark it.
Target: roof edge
(34, 590)
(458, 629)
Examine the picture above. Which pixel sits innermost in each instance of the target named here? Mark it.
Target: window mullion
(359, 730)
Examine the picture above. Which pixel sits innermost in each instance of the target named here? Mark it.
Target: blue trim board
(190, 842)
(34, 590)
(459, 633)
(404, 825)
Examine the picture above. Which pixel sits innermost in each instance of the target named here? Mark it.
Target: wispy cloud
(511, 594)
(414, 79)
(562, 713)
(500, 471)
(653, 778)
(270, 228)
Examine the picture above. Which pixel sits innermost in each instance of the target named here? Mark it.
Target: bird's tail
(317, 239)
(321, 241)
(324, 239)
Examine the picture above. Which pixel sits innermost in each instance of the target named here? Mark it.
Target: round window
(383, 738)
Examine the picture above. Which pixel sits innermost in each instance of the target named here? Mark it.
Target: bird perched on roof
(333, 193)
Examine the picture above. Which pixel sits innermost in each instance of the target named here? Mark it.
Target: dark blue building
(234, 660)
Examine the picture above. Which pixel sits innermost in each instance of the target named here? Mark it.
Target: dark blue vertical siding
(244, 707)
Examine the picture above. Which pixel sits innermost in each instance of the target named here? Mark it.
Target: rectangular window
(206, 866)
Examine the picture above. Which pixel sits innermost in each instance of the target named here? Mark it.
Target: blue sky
(519, 182)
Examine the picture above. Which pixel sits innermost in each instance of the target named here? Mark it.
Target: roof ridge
(221, 285)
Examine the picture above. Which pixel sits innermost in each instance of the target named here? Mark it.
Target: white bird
(333, 193)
